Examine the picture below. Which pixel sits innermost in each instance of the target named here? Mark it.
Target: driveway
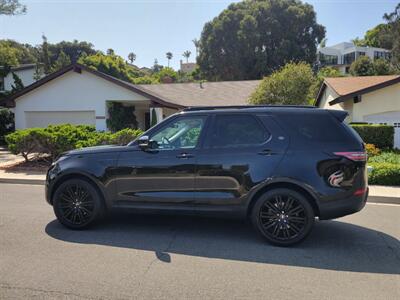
(153, 257)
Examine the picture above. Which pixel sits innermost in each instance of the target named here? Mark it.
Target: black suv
(279, 166)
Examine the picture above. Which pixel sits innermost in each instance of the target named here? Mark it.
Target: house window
(360, 53)
(349, 58)
(325, 59)
(381, 54)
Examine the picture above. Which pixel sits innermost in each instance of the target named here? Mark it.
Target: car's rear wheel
(77, 204)
(283, 216)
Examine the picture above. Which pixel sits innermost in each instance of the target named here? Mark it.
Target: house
(25, 72)
(341, 56)
(187, 67)
(371, 99)
(77, 94)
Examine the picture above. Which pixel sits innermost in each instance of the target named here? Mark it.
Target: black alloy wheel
(77, 203)
(283, 216)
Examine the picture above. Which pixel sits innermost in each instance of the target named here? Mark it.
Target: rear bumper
(342, 207)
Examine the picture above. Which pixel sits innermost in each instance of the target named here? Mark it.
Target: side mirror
(143, 142)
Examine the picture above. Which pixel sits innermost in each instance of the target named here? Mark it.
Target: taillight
(360, 192)
(354, 156)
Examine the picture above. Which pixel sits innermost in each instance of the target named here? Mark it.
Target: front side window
(182, 133)
(238, 130)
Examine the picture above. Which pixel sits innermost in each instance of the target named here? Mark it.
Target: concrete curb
(23, 181)
(382, 199)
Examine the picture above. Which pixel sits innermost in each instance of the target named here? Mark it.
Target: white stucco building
(25, 72)
(341, 56)
(79, 95)
(371, 99)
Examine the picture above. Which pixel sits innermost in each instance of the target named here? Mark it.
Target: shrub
(27, 141)
(386, 168)
(6, 123)
(372, 150)
(385, 173)
(57, 139)
(380, 135)
(392, 157)
(125, 136)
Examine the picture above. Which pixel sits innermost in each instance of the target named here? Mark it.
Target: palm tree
(186, 54)
(196, 43)
(169, 56)
(132, 57)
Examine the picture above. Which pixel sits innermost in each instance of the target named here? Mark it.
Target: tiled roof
(348, 85)
(205, 94)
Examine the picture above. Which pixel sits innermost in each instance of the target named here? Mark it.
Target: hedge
(57, 139)
(384, 174)
(382, 136)
(386, 168)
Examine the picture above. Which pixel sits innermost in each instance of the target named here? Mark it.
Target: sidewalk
(377, 193)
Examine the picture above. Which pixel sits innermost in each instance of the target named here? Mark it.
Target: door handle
(267, 152)
(184, 155)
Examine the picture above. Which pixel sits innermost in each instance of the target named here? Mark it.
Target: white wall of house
(379, 106)
(76, 92)
(25, 75)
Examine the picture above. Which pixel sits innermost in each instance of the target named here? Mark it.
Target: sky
(150, 28)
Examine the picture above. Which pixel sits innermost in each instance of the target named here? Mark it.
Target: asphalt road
(153, 257)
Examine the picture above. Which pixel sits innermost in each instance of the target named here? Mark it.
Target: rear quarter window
(317, 128)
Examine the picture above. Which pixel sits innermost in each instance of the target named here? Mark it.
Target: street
(166, 257)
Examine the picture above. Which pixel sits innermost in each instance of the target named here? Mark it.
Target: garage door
(390, 118)
(45, 118)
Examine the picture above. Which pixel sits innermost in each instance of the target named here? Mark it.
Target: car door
(241, 151)
(163, 173)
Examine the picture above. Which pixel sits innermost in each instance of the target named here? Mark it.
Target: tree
(379, 37)
(8, 55)
(74, 50)
(362, 66)
(251, 39)
(131, 57)
(322, 44)
(112, 65)
(156, 67)
(121, 117)
(38, 72)
(187, 54)
(196, 43)
(18, 85)
(62, 61)
(393, 21)
(46, 56)
(169, 57)
(382, 67)
(6, 123)
(323, 73)
(110, 52)
(11, 8)
(289, 85)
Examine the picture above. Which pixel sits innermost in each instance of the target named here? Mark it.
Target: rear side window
(317, 127)
(237, 130)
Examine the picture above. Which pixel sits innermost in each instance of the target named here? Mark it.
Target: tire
(79, 212)
(283, 217)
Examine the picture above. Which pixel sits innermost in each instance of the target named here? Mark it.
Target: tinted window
(181, 133)
(237, 130)
(316, 127)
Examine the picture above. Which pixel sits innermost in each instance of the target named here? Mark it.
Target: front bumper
(346, 206)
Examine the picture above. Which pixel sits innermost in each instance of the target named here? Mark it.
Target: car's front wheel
(283, 216)
(77, 204)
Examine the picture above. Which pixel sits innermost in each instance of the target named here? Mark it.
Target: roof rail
(194, 108)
